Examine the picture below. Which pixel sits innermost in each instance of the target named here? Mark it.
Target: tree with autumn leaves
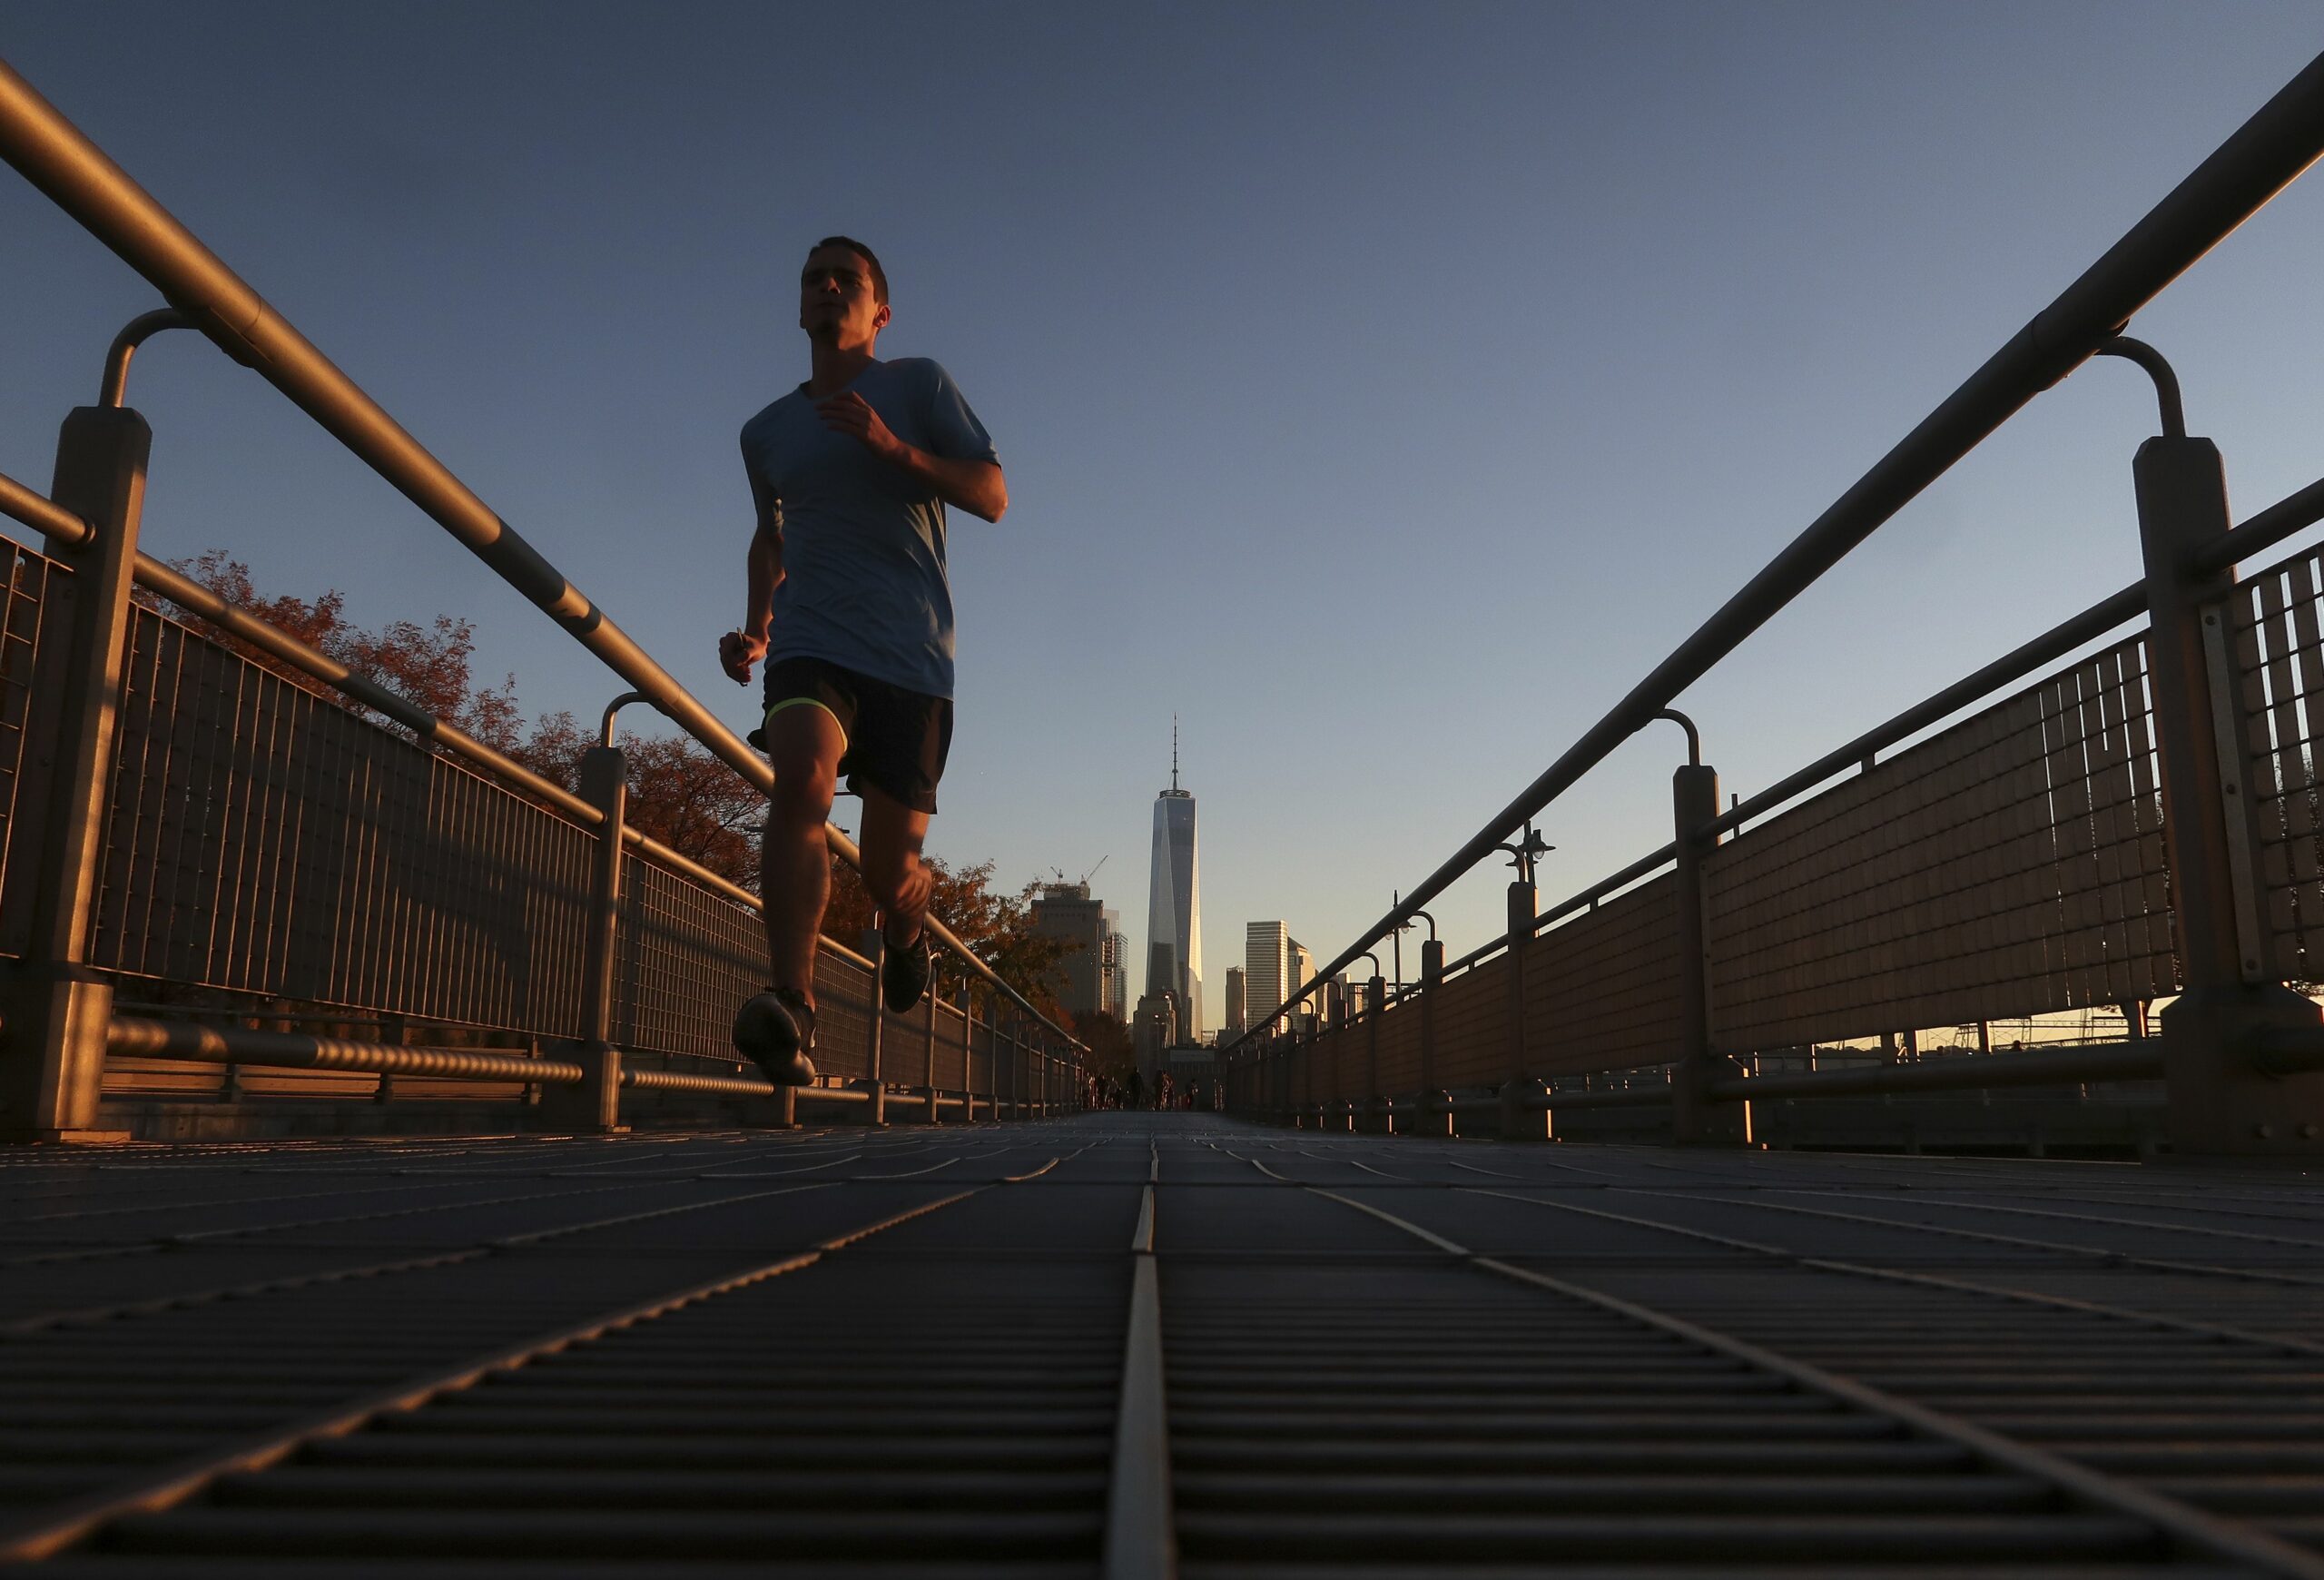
(678, 793)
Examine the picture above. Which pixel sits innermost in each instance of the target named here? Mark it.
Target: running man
(849, 605)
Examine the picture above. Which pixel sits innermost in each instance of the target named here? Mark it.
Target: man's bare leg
(803, 743)
(900, 881)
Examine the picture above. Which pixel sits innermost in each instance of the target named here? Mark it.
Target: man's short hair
(879, 275)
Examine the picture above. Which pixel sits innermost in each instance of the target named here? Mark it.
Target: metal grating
(1423, 1359)
(913, 1352)
(625, 1356)
(2011, 865)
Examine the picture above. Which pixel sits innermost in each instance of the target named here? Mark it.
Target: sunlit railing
(2017, 863)
(206, 866)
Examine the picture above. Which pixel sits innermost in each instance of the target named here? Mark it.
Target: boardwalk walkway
(942, 1352)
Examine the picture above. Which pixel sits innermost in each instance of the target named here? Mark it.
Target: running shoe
(904, 974)
(774, 1030)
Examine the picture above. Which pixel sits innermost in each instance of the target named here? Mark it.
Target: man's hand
(974, 486)
(737, 653)
(848, 412)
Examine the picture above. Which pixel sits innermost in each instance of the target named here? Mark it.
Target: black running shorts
(897, 740)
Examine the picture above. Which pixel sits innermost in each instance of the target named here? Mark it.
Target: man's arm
(738, 650)
(974, 486)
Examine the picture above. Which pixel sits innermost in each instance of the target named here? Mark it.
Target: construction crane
(1083, 880)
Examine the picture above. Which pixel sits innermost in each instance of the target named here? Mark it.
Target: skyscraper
(1174, 904)
(1065, 912)
(1267, 949)
(1114, 980)
(1298, 965)
(1234, 1022)
(1275, 964)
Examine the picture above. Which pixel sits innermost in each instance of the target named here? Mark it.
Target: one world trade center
(1173, 904)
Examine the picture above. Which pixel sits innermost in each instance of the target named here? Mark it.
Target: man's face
(835, 298)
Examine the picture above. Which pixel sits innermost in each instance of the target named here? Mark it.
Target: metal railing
(179, 821)
(2017, 863)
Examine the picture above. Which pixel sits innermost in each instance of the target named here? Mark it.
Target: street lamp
(1521, 855)
(1396, 941)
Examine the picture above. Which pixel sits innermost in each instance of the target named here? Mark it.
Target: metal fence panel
(1473, 1025)
(265, 840)
(976, 1062)
(685, 957)
(1317, 1066)
(1399, 1048)
(2280, 670)
(2011, 865)
(1601, 990)
(951, 1040)
(30, 585)
(1339, 1065)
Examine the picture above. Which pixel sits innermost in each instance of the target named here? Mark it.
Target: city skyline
(1454, 530)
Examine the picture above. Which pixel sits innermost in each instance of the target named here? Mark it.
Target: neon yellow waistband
(774, 708)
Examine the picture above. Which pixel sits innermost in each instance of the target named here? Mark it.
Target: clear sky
(1383, 388)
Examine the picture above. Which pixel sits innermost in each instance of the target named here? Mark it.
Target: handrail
(2060, 639)
(180, 589)
(2259, 159)
(157, 577)
(2294, 512)
(2279, 521)
(43, 514)
(58, 159)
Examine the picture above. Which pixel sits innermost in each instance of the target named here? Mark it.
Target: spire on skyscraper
(1173, 903)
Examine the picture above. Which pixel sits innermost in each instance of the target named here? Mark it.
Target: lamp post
(1521, 855)
(1520, 1116)
(1695, 1119)
(1398, 948)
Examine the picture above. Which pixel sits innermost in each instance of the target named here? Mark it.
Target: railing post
(1306, 1053)
(932, 1114)
(1018, 1102)
(1003, 1063)
(1375, 1006)
(2219, 1101)
(1434, 1122)
(596, 1104)
(394, 1030)
(56, 1009)
(968, 1063)
(874, 1084)
(1524, 1116)
(1696, 1120)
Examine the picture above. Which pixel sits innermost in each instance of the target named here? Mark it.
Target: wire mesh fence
(271, 851)
(2013, 864)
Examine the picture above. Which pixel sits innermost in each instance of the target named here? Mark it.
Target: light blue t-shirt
(864, 582)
